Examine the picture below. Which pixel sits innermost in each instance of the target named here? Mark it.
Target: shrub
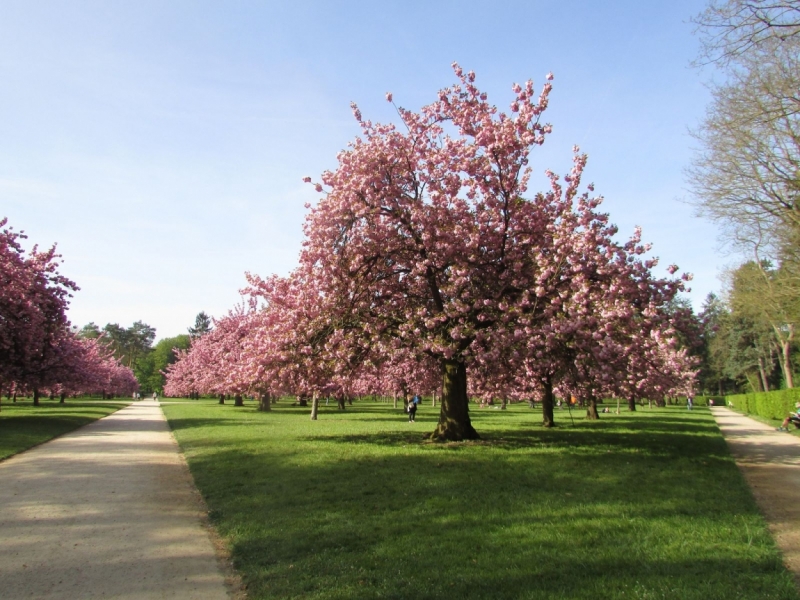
(770, 405)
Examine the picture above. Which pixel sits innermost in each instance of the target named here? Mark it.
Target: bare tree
(734, 28)
(746, 175)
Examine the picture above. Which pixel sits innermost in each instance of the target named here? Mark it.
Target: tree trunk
(394, 399)
(314, 406)
(504, 404)
(786, 363)
(63, 396)
(222, 398)
(632, 404)
(238, 400)
(433, 400)
(762, 372)
(36, 396)
(591, 410)
(264, 403)
(548, 418)
(454, 424)
(340, 401)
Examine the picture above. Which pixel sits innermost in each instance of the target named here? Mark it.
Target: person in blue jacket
(412, 408)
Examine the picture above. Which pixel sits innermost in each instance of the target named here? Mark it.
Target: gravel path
(770, 462)
(109, 510)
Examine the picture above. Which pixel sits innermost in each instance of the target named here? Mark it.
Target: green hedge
(770, 405)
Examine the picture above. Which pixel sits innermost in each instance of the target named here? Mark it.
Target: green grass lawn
(359, 505)
(23, 425)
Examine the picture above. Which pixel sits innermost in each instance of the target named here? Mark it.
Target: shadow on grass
(35, 422)
(427, 523)
(657, 436)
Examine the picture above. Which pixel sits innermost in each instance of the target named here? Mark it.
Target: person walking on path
(412, 409)
(689, 402)
(793, 418)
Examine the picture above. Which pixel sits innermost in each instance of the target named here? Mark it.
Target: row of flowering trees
(39, 353)
(426, 265)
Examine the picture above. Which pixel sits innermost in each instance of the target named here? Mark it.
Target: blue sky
(162, 145)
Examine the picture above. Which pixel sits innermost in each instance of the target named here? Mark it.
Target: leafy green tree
(202, 325)
(713, 375)
(763, 297)
(151, 367)
(90, 331)
(744, 352)
(129, 345)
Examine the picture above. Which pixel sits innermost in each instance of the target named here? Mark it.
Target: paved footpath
(770, 462)
(109, 510)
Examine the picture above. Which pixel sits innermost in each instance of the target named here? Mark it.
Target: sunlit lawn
(23, 425)
(360, 505)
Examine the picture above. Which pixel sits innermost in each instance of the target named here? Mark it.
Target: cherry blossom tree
(37, 349)
(89, 366)
(423, 237)
(424, 241)
(33, 300)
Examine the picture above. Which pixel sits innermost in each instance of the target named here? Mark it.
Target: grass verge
(23, 425)
(359, 505)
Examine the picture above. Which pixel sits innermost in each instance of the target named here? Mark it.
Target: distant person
(412, 408)
(155, 396)
(689, 402)
(791, 418)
